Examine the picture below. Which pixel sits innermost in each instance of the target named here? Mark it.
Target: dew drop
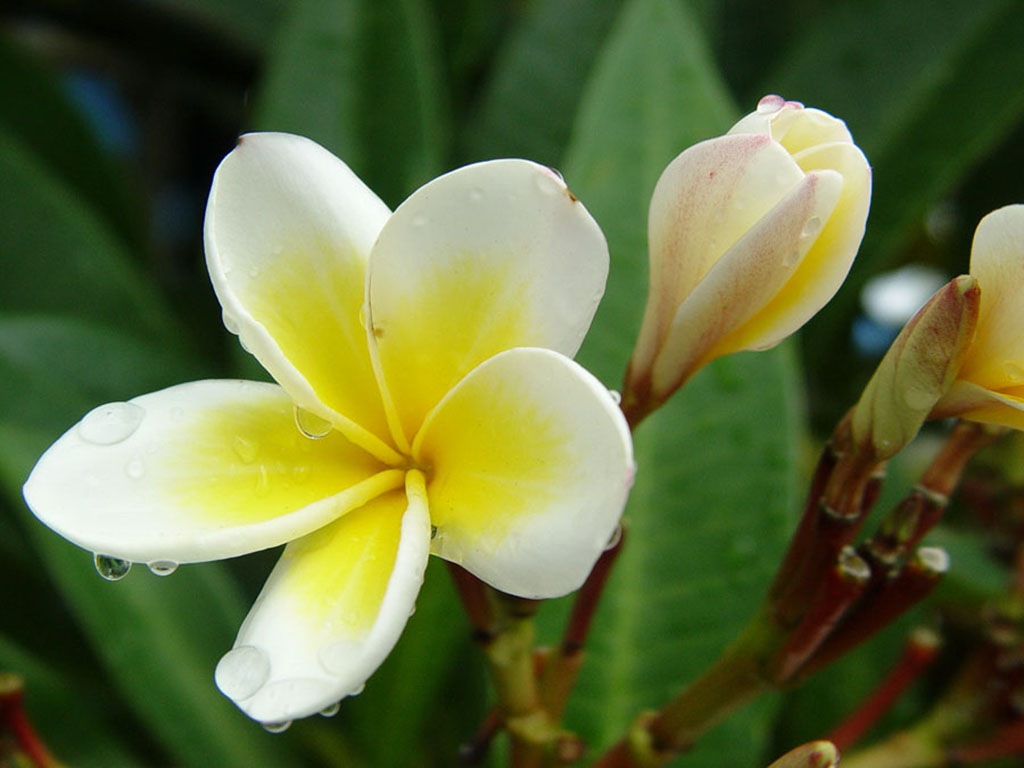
(311, 425)
(549, 182)
(111, 568)
(770, 104)
(616, 537)
(476, 194)
(163, 567)
(358, 689)
(331, 710)
(245, 449)
(1014, 371)
(362, 316)
(277, 727)
(420, 220)
(135, 468)
(229, 322)
(300, 473)
(615, 395)
(262, 481)
(242, 671)
(412, 610)
(791, 258)
(111, 423)
(812, 227)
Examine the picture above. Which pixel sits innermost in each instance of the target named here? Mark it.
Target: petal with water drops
(332, 609)
(488, 257)
(530, 462)
(288, 230)
(199, 471)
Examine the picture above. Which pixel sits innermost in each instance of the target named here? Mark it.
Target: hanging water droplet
(111, 568)
(229, 322)
(332, 710)
(162, 567)
(362, 315)
(412, 610)
(812, 227)
(242, 671)
(243, 345)
(245, 449)
(358, 689)
(769, 104)
(277, 727)
(135, 468)
(311, 425)
(615, 395)
(420, 220)
(110, 423)
(616, 537)
(1014, 371)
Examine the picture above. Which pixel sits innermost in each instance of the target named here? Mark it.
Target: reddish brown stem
(473, 594)
(15, 720)
(841, 588)
(474, 751)
(1005, 743)
(921, 649)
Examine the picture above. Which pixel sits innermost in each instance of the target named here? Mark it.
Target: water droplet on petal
(420, 220)
(111, 423)
(549, 181)
(412, 610)
(769, 104)
(476, 194)
(111, 568)
(135, 468)
(242, 671)
(332, 710)
(245, 448)
(358, 689)
(277, 727)
(337, 657)
(229, 322)
(791, 258)
(243, 345)
(362, 315)
(616, 537)
(1014, 371)
(163, 567)
(262, 481)
(615, 395)
(311, 425)
(812, 227)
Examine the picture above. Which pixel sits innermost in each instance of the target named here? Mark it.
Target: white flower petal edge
(531, 463)
(198, 471)
(288, 232)
(331, 611)
(488, 257)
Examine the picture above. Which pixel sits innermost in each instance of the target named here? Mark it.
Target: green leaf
(362, 78)
(59, 257)
(37, 112)
(159, 638)
(538, 76)
(704, 537)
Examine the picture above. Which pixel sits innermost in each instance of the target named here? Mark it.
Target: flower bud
(918, 370)
(750, 234)
(989, 385)
(816, 754)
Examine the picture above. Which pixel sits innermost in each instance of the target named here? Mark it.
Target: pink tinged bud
(816, 754)
(989, 385)
(918, 370)
(750, 234)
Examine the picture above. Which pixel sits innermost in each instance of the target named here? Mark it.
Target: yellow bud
(918, 370)
(989, 385)
(816, 754)
(750, 234)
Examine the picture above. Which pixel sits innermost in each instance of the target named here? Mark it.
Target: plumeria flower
(750, 234)
(426, 354)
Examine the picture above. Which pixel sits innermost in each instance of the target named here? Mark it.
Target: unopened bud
(816, 754)
(750, 234)
(918, 370)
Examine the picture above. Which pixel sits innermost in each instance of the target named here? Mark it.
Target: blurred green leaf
(362, 78)
(529, 102)
(704, 538)
(37, 112)
(57, 256)
(160, 638)
(70, 724)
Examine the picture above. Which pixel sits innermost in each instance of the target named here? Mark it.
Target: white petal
(199, 471)
(486, 258)
(331, 611)
(288, 231)
(530, 463)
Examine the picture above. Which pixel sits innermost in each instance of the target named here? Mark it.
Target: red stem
(16, 721)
